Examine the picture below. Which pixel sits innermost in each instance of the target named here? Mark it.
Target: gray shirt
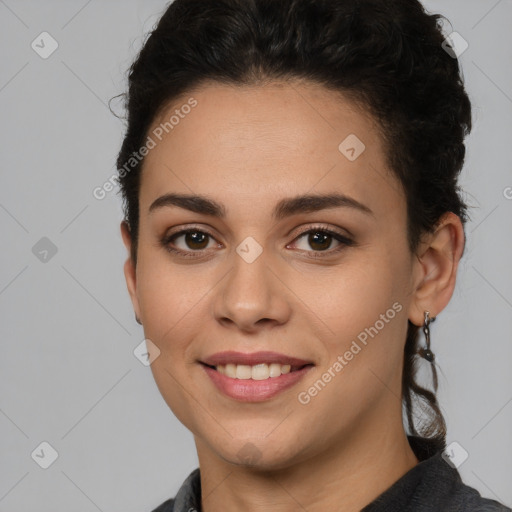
(433, 485)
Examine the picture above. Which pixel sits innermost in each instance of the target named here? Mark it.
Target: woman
(292, 217)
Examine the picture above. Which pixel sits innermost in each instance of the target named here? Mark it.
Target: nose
(252, 296)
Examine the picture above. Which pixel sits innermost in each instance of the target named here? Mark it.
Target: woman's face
(250, 280)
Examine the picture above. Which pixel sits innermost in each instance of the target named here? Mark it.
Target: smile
(248, 389)
(260, 371)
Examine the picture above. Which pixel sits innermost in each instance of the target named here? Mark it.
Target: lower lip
(249, 390)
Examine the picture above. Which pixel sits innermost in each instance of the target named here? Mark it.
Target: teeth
(257, 372)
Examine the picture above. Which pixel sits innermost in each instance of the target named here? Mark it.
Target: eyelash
(344, 242)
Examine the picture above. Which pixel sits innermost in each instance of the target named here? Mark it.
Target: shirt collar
(426, 486)
(188, 497)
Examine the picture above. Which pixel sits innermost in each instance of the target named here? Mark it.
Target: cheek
(169, 296)
(353, 295)
(363, 348)
(364, 306)
(171, 305)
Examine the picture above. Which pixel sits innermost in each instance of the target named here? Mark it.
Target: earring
(137, 319)
(426, 352)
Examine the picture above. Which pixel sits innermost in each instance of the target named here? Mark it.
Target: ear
(129, 268)
(435, 268)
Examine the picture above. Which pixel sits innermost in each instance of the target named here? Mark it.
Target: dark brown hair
(386, 56)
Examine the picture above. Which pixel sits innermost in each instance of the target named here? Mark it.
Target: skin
(247, 148)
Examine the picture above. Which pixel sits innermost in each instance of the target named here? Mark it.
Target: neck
(346, 479)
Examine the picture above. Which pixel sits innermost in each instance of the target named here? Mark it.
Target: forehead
(277, 139)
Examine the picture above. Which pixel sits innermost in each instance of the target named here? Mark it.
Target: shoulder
(456, 496)
(468, 499)
(440, 486)
(166, 506)
(188, 497)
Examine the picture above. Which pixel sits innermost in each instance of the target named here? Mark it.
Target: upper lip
(254, 358)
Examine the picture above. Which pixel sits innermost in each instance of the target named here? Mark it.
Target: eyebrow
(306, 203)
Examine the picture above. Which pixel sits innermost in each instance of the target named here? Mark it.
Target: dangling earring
(137, 319)
(426, 353)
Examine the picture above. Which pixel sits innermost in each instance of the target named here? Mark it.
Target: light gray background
(68, 373)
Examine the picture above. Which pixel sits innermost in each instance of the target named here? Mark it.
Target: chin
(260, 454)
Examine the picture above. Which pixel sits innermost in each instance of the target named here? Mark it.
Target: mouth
(261, 371)
(256, 366)
(254, 377)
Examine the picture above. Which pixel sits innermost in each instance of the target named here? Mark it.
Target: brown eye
(188, 240)
(319, 241)
(196, 240)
